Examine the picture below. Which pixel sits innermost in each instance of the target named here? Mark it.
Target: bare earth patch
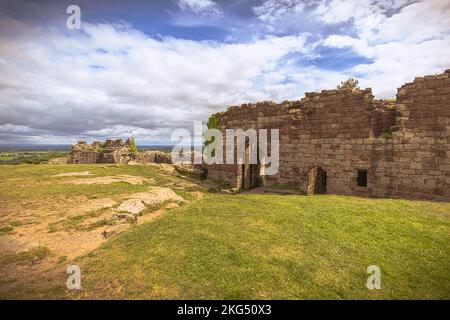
(45, 231)
(72, 174)
(63, 241)
(165, 167)
(112, 179)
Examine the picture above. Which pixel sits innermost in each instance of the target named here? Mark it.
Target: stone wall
(110, 151)
(422, 144)
(403, 148)
(155, 156)
(113, 151)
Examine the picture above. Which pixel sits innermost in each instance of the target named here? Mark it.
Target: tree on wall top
(349, 84)
(132, 147)
(213, 123)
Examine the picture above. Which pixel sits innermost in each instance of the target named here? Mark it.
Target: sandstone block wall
(108, 152)
(404, 147)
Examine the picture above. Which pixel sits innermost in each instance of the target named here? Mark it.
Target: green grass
(6, 229)
(25, 257)
(77, 222)
(29, 157)
(62, 259)
(278, 247)
(249, 246)
(34, 185)
(15, 223)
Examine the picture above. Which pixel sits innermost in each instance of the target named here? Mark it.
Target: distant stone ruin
(114, 151)
(110, 151)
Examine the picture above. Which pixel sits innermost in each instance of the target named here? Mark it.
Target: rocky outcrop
(155, 156)
(155, 196)
(110, 151)
(114, 151)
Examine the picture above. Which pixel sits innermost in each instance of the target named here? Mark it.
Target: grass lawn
(249, 246)
(33, 184)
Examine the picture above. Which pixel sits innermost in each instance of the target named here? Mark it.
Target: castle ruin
(113, 151)
(346, 142)
(110, 151)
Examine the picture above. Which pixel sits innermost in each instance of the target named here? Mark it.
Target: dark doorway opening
(317, 181)
(250, 176)
(250, 171)
(361, 179)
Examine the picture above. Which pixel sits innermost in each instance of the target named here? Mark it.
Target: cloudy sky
(144, 68)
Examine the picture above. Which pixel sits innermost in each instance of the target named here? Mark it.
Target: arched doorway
(317, 181)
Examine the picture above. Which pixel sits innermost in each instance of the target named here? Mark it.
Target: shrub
(213, 123)
(133, 148)
(349, 84)
(387, 135)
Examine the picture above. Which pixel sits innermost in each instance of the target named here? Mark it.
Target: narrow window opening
(361, 180)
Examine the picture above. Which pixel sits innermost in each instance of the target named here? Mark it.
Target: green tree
(213, 123)
(349, 84)
(132, 147)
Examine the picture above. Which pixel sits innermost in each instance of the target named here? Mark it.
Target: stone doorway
(250, 172)
(250, 175)
(317, 181)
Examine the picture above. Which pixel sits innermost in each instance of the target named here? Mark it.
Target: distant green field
(29, 157)
(279, 247)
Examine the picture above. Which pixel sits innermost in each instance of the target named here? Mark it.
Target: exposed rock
(157, 195)
(155, 156)
(133, 206)
(172, 205)
(58, 161)
(134, 163)
(114, 152)
(167, 167)
(107, 152)
(138, 201)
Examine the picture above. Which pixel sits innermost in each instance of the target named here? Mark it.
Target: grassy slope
(269, 246)
(33, 184)
(30, 195)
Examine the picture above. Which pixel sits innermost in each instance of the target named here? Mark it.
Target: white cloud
(272, 10)
(389, 20)
(338, 11)
(108, 79)
(414, 40)
(396, 63)
(360, 46)
(204, 7)
(417, 22)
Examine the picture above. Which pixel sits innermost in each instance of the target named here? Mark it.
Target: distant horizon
(65, 146)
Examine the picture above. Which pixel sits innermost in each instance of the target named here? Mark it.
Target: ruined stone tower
(345, 142)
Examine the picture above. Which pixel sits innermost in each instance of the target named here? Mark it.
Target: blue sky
(145, 68)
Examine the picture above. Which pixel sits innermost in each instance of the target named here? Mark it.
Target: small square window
(361, 180)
